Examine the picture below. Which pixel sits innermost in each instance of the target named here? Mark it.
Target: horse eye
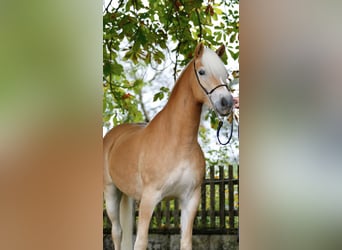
(201, 72)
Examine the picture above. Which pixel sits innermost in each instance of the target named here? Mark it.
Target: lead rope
(230, 134)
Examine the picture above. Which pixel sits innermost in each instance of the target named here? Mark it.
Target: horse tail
(126, 219)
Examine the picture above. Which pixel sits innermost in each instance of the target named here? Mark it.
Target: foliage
(145, 33)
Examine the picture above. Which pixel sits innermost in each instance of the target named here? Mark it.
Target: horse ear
(220, 51)
(199, 50)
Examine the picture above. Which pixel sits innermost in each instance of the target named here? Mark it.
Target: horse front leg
(146, 207)
(189, 207)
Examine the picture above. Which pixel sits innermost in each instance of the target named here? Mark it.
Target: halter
(208, 93)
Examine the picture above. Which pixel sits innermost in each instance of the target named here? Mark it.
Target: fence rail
(217, 213)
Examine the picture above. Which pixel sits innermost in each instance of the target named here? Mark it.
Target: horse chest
(180, 181)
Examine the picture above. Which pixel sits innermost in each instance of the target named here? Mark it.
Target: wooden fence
(217, 213)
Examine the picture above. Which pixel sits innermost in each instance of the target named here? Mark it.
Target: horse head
(211, 76)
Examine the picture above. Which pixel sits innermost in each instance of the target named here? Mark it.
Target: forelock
(213, 64)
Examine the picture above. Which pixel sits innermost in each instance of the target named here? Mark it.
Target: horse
(162, 159)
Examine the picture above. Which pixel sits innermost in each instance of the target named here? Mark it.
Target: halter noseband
(208, 93)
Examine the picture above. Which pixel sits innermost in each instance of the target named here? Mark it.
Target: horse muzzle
(223, 104)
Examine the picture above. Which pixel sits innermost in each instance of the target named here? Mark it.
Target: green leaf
(235, 55)
(106, 68)
(165, 89)
(232, 38)
(158, 96)
(117, 69)
(218, 11)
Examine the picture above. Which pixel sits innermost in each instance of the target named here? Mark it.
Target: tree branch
(142, 105)
(116, 9)
(176, 63)
(200, 25)
(107, 8)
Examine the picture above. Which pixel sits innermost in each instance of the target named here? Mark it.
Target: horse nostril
(224, 102)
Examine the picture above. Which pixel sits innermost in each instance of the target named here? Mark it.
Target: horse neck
(180, 118)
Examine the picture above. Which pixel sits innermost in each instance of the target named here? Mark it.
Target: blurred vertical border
(50, 125)
(290, 130)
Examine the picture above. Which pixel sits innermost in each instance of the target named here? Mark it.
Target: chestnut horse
(163, 158)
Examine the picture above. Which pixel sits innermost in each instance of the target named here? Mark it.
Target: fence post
(231, 196)
(204, 204)
(212, 197)
(221, 198)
